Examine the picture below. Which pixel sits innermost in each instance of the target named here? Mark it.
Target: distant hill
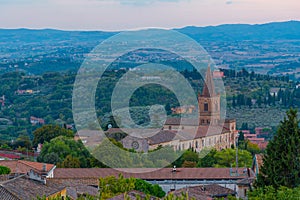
(272, 31)
(272, 48)
(51, 35)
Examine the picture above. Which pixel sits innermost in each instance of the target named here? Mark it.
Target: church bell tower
(209, 102)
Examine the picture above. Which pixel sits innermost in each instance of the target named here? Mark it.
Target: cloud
(228, 2)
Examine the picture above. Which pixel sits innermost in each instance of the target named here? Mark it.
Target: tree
(227, 158)
(189, 164)
(209, 160)
(252, 148)
(70, 162)
(148, 188)
(168, 109)
(282, 158)
(249, 102)
(4, 170)
(259, 101)
(58, 149)
(111, 186)
(269, 192)
(233, 101)
(48, 132)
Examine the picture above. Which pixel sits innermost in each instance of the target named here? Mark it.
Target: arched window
(205, 107)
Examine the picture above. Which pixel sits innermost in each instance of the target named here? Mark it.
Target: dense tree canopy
(281, 162)
(68, 153)
(48, 132)
(4, 170)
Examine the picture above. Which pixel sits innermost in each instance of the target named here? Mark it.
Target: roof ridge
(10, 180)
(22, 161)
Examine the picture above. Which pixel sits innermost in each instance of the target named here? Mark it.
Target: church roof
(209, 88)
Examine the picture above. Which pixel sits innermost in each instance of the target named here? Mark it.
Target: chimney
(44, 169)
(174, 169)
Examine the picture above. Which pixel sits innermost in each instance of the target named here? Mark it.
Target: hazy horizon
(118, 15)
(139, 28)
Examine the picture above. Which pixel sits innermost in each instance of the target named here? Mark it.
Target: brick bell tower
(209, 102)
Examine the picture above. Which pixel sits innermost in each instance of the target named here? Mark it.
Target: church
(208, 131)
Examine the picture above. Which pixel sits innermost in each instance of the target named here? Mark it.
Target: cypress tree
(281, 162)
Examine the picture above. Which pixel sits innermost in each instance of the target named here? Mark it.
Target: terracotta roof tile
(26, 189)
(205, 192)
(22, 166)
(143, 173)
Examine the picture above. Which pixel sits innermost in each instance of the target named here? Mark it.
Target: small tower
(209, 102)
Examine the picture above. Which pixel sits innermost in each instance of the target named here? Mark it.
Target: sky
(112, 15)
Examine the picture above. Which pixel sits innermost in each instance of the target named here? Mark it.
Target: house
(205, 192)
(184, 110)
(218, 74)
(77, 191)
(35, 120)
(245, 131)
(9, 156)
(24, 188)
(253, 138)
(24, 167)
(167, 178)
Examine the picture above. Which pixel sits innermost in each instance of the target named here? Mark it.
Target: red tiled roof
(143, 173)
(205, 192)
(262, 145)
(182, 121)
(25, 188)
(22, 166)
(10, 156)
(250, 135)
(162, 137)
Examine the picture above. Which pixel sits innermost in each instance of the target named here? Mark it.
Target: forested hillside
(49, 97)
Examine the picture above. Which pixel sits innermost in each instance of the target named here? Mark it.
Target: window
(205, 107)
(196, 144)
(170, 127)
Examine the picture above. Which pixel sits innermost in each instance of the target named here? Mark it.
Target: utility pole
(236, 156)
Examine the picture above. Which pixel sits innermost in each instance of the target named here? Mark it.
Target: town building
(205, 192)
(167, 178)
(24, 167)
(24, 188)
(208, 131)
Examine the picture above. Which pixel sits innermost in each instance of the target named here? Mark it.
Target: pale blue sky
(134, 14)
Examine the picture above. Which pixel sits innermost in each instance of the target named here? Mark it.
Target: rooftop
(24, 188)
(22, 166)
(205, 192)
(155, 174)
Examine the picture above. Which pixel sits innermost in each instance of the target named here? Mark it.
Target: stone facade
(209, 131)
